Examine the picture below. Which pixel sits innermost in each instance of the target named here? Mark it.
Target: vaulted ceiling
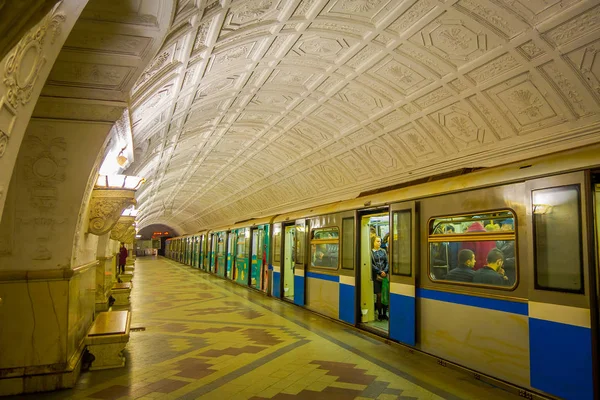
(253, 107)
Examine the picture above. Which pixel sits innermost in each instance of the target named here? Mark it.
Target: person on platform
(122, 258)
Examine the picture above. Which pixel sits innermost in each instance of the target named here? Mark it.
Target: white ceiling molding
(253, 107)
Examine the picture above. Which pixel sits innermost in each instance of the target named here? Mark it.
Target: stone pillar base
(126, 277)
(121, 297)
(43, 379)
(107, 355)
(102, 307)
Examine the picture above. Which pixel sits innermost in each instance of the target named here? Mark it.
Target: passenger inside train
(492, 236)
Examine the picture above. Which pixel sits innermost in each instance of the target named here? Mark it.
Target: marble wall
(82, 301)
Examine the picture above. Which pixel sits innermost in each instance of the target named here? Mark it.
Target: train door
(289, 261)
(230, 254)
(300, 263)
(374, 298)
(241, 257)
(403, 272)
(560, 289)
(221, 255)
(256, 265)
(202, 252)
(595, 289)
(212, 253)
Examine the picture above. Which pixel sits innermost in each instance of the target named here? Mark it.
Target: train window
(474, 249)
(324, 247)
(557, 238)
(401, 243)
(243, 243)
(348, 243)
(277, 243)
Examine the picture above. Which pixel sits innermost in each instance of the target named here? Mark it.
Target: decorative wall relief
(106, 207)
(8, 116)
(26, 60)
(44, 169)
(124, 230)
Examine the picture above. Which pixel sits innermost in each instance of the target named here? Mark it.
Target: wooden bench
(107, 339)
(120, 292)
(126, 276)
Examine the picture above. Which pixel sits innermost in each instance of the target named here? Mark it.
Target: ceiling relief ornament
(106, 207)
(277, 93)
(25, 61)
(124, 230)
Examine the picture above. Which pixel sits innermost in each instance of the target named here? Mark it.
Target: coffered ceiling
(252, 107)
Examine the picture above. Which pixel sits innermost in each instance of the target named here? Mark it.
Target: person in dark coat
(122, 258)
(379, 268)
(464, 272)
(492, 273)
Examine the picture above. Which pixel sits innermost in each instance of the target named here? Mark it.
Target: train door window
(557, 238)
(277, 244)
(289, 262)
(348, 243)
(474, 249)
(374, 258)
(256, 258)
(401, 243)
(324, 247)
(230, 253)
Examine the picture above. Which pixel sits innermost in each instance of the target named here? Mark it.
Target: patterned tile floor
(206, 338)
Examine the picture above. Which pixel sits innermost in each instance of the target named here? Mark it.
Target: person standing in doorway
(122, 258)
(379, 270)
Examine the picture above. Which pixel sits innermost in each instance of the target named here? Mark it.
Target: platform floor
(207, 338)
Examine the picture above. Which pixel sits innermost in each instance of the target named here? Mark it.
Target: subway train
(491, 270)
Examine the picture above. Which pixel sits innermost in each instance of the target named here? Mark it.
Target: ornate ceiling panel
(254, 107)
(104, 55)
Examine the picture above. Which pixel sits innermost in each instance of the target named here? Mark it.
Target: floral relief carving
(488, 15)
(531, 50)
(576, 27)
(156, 65)
(360, 5)
(500, 65)
(25, 61)
(44, 168)
(106, 207)
(410, 17)
(304, 7)
(124, 230)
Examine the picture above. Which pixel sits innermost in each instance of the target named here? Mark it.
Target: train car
(495, 271)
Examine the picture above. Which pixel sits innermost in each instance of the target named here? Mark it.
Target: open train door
(560, 286)
(403, 269)
(300, 262)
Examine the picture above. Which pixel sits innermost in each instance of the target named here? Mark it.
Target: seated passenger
(464, 271)
(480, 248)
(492, 273)
(319, 260)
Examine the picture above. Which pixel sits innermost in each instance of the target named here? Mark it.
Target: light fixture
(130, 212)
(119, 182)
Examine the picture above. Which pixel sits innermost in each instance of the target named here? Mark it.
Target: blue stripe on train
(324, 277)
(276, 284)
(402, 318)
(299, 290)
(561, 359)
(474, 301)
(347, 304)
